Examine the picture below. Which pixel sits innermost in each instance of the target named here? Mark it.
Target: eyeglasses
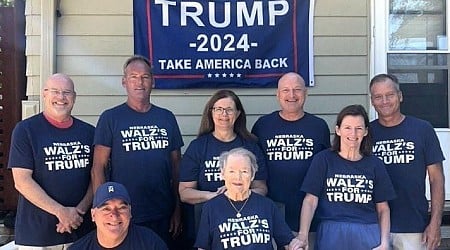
(56, 92)
(220, 110)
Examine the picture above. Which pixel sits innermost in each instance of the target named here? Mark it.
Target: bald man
(50, 158)
(290, 137)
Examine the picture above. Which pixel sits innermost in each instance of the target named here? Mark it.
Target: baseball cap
(108, 191)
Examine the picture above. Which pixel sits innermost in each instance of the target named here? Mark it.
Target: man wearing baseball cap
(111, 213)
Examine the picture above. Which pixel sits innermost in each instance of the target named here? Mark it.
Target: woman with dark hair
(239, 125)
(349, 188)
(365, 147)
(222, 128)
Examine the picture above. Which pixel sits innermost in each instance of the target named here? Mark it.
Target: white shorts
(56, 247)
(407, 241)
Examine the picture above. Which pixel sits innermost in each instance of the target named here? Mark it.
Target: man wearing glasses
(50, 158)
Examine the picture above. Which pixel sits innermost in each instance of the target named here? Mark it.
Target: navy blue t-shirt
(61, 160)
(260, 221)
(141, 144)
(138, 238)
(289, 147)
(200, 161)
(348, 190)
(406, 150)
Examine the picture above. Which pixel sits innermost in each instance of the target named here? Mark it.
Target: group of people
(282, 185)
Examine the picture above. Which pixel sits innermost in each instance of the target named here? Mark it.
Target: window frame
(380, 44)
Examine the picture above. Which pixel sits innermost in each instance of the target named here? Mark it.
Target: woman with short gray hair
(240, 218)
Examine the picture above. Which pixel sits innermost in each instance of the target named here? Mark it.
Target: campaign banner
(224, 43)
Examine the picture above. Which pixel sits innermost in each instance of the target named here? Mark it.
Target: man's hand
(175, 223)
(432, 236)
(69, 218)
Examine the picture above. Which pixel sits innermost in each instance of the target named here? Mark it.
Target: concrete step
(6, 235)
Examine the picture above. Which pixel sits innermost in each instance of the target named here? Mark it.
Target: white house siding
(94, 38)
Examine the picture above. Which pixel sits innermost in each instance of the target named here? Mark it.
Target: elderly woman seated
(240, 218)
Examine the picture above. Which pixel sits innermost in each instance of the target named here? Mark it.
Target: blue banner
(224, 43)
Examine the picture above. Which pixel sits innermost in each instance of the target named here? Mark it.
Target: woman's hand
(221, 190)
(382, 247)
(298, 244)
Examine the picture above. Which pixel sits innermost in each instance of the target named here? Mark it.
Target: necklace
(238, 211)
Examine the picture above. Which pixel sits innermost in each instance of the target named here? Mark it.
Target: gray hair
(137, 58)
(239, 152)
(383, 78)
(60, 77)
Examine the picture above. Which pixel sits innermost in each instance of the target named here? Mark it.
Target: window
(416, 51)
(6, 3)
(417, 25)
